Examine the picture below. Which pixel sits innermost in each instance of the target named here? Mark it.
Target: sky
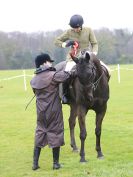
(50, 15)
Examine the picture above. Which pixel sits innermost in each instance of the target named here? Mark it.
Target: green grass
(17, 128)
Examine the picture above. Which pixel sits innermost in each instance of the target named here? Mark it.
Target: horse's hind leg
(99, 119)
(72, 122)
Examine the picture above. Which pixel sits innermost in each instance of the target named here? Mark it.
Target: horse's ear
(87, 56)
(75, 59)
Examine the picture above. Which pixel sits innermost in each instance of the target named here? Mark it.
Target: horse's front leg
(72, 122)
(99, 119)
(83, 133)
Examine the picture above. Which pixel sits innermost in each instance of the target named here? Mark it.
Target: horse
(89, 90)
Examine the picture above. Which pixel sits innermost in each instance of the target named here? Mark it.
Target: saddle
(106, 70)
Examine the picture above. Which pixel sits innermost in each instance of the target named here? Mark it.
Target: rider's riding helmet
(76, 21)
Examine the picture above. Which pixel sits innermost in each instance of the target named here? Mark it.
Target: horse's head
(86, 73)
(85, 69)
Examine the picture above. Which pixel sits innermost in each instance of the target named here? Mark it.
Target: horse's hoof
(35, 167)
(75, 150)
(100, 157)
(83, 161)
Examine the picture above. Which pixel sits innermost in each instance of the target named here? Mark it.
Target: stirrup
(65, 100)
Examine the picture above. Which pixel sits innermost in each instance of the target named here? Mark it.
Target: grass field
(17, 133)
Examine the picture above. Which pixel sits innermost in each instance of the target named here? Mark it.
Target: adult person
(50, 127)
(85, 38)
(83, 35)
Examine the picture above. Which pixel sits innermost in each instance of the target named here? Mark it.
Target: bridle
(96, 83)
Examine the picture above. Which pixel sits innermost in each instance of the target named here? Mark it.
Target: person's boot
(56, 153)
(36, 155)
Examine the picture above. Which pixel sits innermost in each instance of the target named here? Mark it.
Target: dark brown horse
(89, 91)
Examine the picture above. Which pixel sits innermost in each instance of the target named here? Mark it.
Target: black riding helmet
(76, 21)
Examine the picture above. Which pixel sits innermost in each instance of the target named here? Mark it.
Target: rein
(95, 84)
(74, 49)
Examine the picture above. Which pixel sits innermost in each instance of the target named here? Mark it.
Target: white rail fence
(24, 75)
(118, 68)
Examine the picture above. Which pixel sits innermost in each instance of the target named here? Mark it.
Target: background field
(17, 133)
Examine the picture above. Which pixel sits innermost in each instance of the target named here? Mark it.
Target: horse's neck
(98, 66)
(78, 90)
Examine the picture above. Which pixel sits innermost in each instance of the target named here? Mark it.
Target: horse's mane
(97, 64)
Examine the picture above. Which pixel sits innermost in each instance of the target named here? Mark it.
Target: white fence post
(25, 87)
(119, 73)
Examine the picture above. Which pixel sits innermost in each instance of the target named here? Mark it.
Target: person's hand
(87, 51)
(83, 52)
(95, 53)
(70, 43)
(90, 53)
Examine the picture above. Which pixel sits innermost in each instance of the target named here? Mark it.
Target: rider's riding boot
(56, 153)
(36, 155)
(64, 99)
(65, 87)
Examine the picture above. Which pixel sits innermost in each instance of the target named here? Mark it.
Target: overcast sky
(49, 15)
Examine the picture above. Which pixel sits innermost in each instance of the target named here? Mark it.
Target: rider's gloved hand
(68, 44)
(83, 52)
(89, 52)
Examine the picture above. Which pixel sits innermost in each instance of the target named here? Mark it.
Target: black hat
(42, 58)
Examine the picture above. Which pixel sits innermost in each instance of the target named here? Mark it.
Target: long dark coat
(50, 126)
